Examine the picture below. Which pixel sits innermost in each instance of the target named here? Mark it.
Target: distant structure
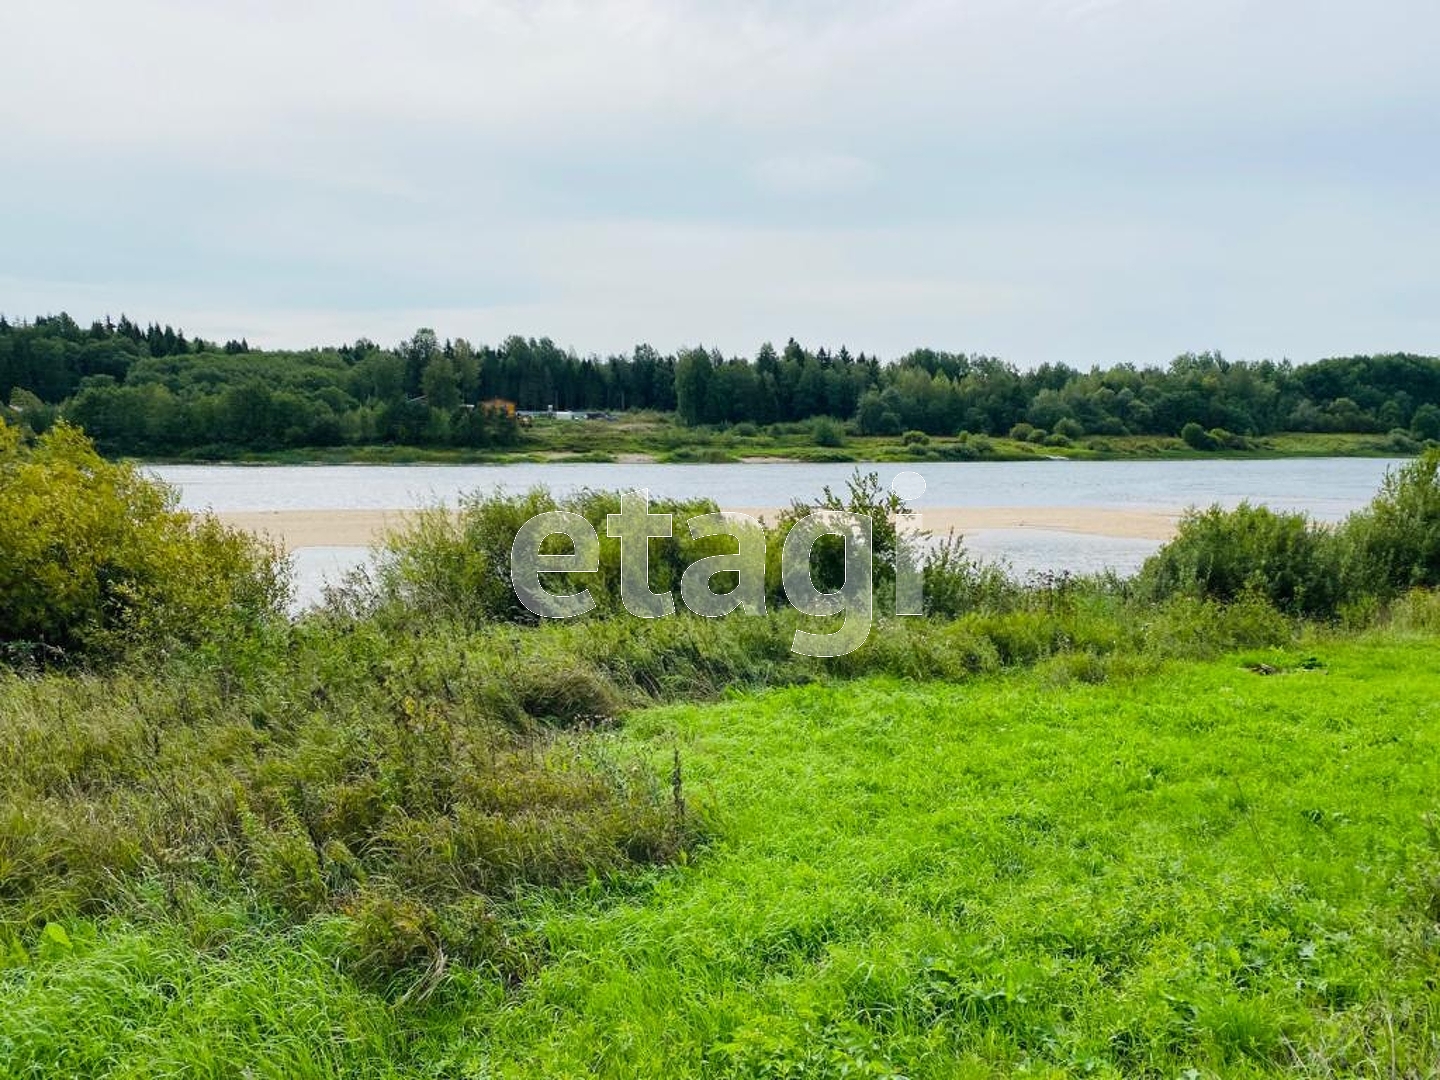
(553, 413)
(499, 405)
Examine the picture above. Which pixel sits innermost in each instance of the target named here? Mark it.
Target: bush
(1251, 550)
(1394, 544)
(1228, 440)
(968, 447)
(1400, 441)
(915, 438)
(864, 495)
(1307, 569)
(455, 565)
(1426, 423)
(956, 583)
(1070, 428)
(1022, 431)
(1197, 438)
(96, 560)
(745, 429)
(1037, 435)
(1058, 440)
(826, 431)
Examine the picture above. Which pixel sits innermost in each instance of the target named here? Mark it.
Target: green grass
(1200, 871)
(657, 437)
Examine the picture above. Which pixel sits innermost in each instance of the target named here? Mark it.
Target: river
(1325, 488)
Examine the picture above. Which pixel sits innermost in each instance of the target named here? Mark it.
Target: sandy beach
(360, 528)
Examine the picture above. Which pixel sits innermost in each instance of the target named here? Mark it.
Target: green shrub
(1228, 440)
(1308, 569)
(955, 583)
(915, 438)
(1221, 554)
(1394, 544)
(1069, 427)
(1425, 424)
(826, 431)
(455, 565)
(865, 496)
(1401, 442)
(97, 561)
(30, 412)
(1073, 667)
(1019, 637)
(1197, 438)
(1022, 431)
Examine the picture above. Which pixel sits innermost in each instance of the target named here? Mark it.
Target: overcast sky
(1087, 181)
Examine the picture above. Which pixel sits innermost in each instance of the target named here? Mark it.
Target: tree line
(153, 390)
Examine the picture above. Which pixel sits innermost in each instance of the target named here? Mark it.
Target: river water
(1325, 488)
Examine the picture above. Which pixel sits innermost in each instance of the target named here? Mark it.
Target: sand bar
(361, 528)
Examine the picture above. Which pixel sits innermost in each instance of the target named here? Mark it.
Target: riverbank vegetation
(651, 438)
(1169, 826)
(154, 392)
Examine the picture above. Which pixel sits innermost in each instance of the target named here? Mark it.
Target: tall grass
(399, 790)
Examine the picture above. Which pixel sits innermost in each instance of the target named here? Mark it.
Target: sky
(1076, 181)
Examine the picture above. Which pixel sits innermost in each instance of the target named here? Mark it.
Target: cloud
(815, 174)
(1045, 179)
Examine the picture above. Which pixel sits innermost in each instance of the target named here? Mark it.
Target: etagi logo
(635, 527)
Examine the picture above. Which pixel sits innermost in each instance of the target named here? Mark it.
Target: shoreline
(668, 444)
(885, 456)
(362, 528)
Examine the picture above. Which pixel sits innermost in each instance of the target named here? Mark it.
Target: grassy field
(657, 437)
(1218, 868)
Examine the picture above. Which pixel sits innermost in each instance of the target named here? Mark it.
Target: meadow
(1221, 868)
(657, 436)
(1181, 825)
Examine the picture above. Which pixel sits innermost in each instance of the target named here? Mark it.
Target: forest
(155, 391)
